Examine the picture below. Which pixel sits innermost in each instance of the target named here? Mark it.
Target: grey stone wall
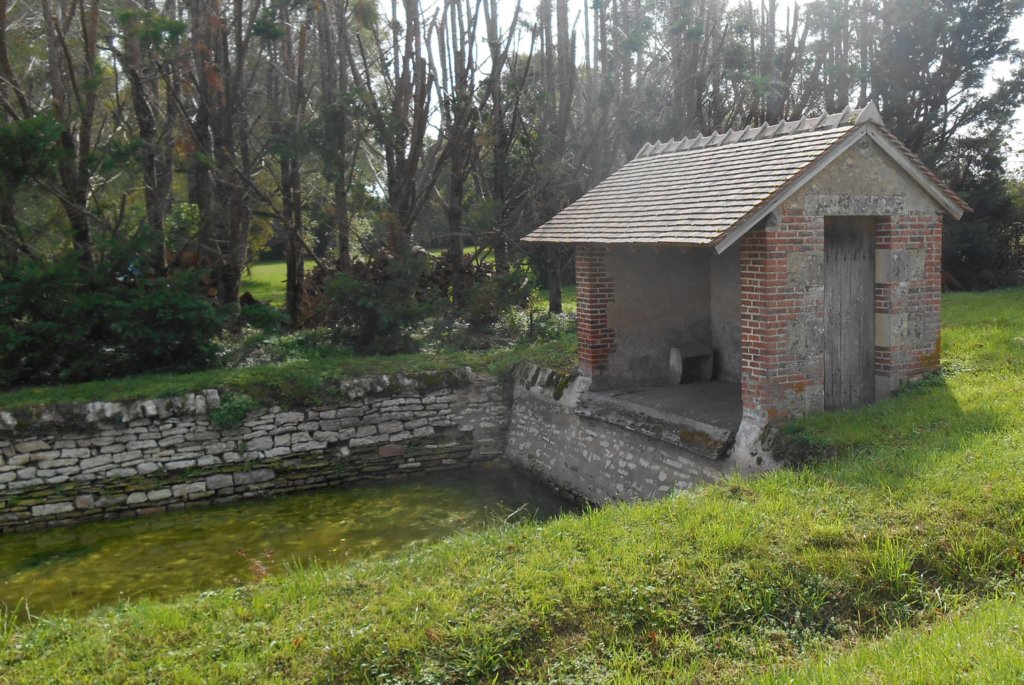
(591, 459)
(107, 459)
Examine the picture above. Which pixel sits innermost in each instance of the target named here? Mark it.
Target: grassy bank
(298, 382)
(983, 645)
(917, 520)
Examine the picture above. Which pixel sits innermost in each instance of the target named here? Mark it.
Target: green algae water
(78, 568)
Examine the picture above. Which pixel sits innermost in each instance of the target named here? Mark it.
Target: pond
(78, 568)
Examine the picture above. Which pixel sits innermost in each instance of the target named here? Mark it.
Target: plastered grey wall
(662, 300)
(725, 314)
(587, 458)
(110, 459)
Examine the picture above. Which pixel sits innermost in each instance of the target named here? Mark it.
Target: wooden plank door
(849, 311)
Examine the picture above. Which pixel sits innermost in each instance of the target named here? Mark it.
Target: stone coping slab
(620, 409)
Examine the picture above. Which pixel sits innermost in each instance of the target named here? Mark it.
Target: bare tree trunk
(294, 248)
(222, 72)
(9, 251)
(774, 98)
(499, 135)
(456, 41)
(75, 108)
(155, 120)
(288, 101)
(559, 76)
(335, 56)
(201, 187)
(555, 280)
(399, 118)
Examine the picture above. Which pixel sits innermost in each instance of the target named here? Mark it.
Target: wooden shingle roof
(709, 190)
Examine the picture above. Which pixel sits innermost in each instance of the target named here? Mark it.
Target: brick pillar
(757, 340)
(594, 291)
(781, 316)
(908, 299)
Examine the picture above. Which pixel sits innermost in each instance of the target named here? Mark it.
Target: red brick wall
(782, 309)
(779, 377)
(914, 304)
(594, 291)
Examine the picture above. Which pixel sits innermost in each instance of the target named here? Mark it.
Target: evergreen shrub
(66, 322)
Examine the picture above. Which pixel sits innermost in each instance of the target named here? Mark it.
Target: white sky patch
(1015, 157)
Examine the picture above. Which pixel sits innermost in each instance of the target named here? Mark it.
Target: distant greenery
(907, 545)
(467, 250)
(296, 368)
(378, 312)
(265, 281)
(539, 300)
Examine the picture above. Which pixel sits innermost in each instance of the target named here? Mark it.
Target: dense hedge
(64, 322)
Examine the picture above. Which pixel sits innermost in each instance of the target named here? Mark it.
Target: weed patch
(232, 410)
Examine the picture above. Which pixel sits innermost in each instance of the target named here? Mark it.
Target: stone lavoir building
(743, 278)
(726, 283)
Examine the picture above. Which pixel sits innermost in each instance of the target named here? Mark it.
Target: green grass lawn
(265, 281)
(539, 299)
(904, 548)
(983, 645)
(299, 382)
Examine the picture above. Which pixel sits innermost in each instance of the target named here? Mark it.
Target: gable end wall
(782, 285)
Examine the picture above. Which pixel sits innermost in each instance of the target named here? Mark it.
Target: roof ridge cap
(869, 113)
(765, 131)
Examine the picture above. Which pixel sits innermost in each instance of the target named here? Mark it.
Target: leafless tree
(221, 79)
(151, 70)
(336, 117)
(455, 33)
(505, 85)
(395, 83)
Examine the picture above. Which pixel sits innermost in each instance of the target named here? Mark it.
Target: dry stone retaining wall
(591, 459)
(111, 459)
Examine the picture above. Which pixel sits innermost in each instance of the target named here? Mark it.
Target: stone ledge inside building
(701, 417)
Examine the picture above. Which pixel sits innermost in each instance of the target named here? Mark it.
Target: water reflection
(75, 569)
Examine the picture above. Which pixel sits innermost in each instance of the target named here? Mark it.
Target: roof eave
(934, 191)
(591, 240)
(802, 178)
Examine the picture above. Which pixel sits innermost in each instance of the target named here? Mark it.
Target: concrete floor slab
(701, 418)
(716, 403)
